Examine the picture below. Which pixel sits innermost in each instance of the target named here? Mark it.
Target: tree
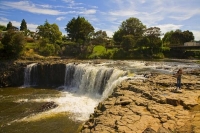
(9, 26)
(13, 43)
(188, 36)
(153, 33)
(177, 37)
(166, 40)
(23, 26)
(78, 29)
(50, 32)
(131, 26)
(117, 37)
(99, 37)
(2, 28)
(127, 42)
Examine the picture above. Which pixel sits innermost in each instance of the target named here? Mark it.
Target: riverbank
(150, 106)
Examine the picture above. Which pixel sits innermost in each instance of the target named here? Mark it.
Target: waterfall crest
(95, 80)
(30, 78)
(89, 79)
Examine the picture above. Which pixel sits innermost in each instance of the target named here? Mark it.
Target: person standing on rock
(178, 76)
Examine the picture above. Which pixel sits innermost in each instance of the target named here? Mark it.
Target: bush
(47, 50)
(13, 44)
(158, 56)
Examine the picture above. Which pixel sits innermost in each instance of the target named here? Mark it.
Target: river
(85, 85)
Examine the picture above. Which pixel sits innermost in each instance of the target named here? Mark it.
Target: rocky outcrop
(149, 106)
(11, 73)
(48, 74)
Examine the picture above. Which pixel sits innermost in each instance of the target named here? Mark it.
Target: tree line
(132, 40)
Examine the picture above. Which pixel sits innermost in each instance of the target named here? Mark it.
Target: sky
(106, 15)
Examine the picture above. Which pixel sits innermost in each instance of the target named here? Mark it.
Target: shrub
(13, 44)
(47, 50)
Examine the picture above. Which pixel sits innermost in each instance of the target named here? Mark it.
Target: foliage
(177, 37)
(119, 54)
(99, 37)
(131, 26)
(47, 50)
(2, 28)
(13, 43)
(49, 31)
(128, 42)
(117, 37)
(69, 48)
(23, 26)
(78, 29)
(9, 26)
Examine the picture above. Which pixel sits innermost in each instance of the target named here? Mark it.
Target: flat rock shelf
(149, 106)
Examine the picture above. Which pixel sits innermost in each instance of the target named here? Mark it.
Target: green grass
(99, 49)
(31, 45)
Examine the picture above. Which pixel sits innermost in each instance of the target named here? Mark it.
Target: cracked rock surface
(149, 106)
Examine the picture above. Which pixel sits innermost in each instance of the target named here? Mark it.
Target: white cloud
(109, 33)
(88, 12)
(3, 19)
(60, 18)
(168, 27)
(30, 26)
(196, 34)
(30, 7)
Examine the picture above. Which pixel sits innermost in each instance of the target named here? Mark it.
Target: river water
(85, 85)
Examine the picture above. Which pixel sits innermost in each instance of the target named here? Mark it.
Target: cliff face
(49, 75)
(45, 74)
(149, 106)
(11, 74)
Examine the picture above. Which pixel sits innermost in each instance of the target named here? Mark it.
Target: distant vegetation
(133, 40)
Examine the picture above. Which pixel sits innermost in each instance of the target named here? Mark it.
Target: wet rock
(47, 106)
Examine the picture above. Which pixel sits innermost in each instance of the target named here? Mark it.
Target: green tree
(127, 42)
(99, 37)
(13, 43)
(188, 36)
(117, 37)
(78, 29)
(9, 26)
(177, 37)
(23, 26)
(50, 32)
(166, 40)
(131, 26)
(154, 33)
(2, 28)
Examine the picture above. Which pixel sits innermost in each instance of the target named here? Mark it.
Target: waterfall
(30, 78)
(89, 79)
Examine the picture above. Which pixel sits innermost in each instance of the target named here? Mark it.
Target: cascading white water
(85, 85)
(27, 75)
(89, 79)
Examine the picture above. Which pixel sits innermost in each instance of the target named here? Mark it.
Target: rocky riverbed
(150, 106)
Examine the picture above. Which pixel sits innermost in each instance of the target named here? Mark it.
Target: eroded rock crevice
(148, 106)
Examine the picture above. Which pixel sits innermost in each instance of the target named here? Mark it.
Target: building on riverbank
(192, 43)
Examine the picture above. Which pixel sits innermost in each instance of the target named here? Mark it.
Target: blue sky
(104, 15)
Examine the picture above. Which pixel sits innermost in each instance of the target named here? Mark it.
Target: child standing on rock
(178, 76)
